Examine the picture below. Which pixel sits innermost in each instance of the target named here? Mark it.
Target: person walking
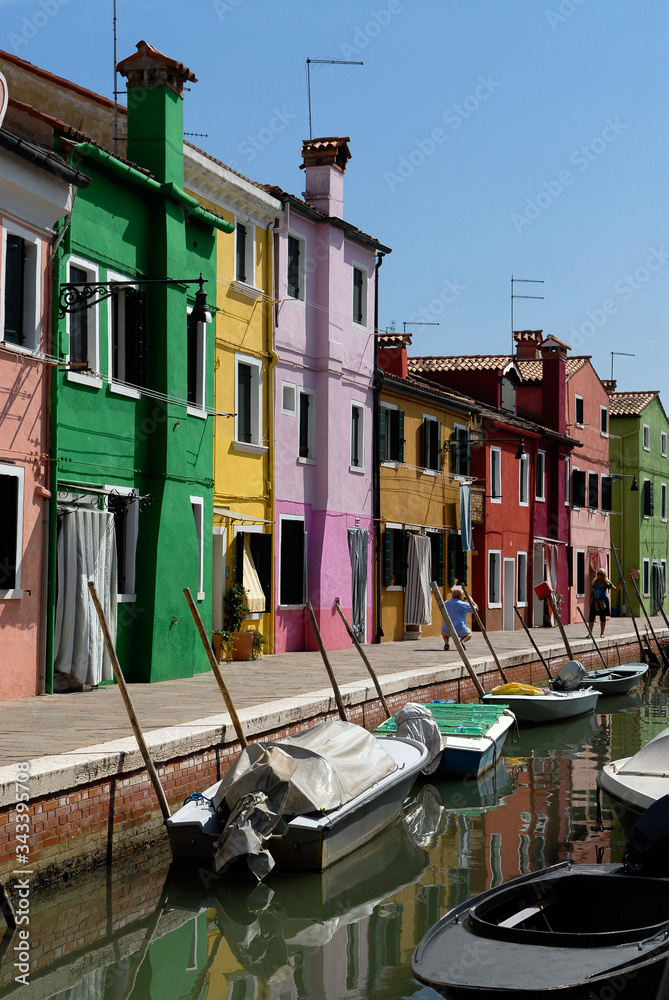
(457, 612)
(600, 606)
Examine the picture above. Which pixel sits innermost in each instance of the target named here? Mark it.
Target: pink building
(325, 272)
(37, 191)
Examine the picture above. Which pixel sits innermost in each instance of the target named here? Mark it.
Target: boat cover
(313, 772)
(651, 759)
(418, 723)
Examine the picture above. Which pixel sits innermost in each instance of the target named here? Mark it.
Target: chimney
(324, 162)
(528, 344)
(155, 111)
(610, 384)
(392, 353)
(554, 384)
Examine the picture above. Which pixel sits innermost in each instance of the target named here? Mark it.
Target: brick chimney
(528, 344)
(392, 353)
(324, 163)
(554, 384)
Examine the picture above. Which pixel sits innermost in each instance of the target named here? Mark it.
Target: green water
(136, 932)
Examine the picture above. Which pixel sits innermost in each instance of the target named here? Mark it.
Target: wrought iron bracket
(75, 296)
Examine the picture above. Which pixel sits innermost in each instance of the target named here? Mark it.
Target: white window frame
(524, 480)
(357, 405)
(131, 537)
(663, 501)
(604, 418)
(249, 285)
(310, 458)
(394, 526)
(521, 579)
(302, 266)
(495, 578)
(305, 580)
(198, 409)
(663, 444)
(117, 387)
(646, 437)
(645, 577)
(541, 462)
(288, 389)
(567, 480)
(197, 507)
(92, 378)
(32, 298)
(255, 445)
(18, 472)
(365, 286)
(580, 553)
(495, 474)
(391, 463)
(576, 423)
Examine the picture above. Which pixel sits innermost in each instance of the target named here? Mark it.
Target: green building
(639, 467)
(132, 400)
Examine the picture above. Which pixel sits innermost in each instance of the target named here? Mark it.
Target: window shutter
(241, 252)
(437, 445)
(400, 435)
(424, 444)
(135, 335)
(9, 514)
(437, 551)
(403, 566)
(570, 566)
(606, 493)
(648, 498)
(386, 557)
(383, 434)
(578, 497)
(14, 296)
(238, 568)
(452, 540)
(191, 362)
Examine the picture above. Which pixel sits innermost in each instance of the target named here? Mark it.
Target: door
(358, 545)
(509, 595)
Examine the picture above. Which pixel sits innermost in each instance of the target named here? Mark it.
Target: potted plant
(235, 610)
(220, 640)
(259, 641)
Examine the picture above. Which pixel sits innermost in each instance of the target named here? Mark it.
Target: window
(460, 453)
(126, 526)
(580, 573)
(292, 561)
(663, 443)
(540, 476)
(524, 480)
(295, 276)
(431, 444)
(646, 578)
(578, 496)
(646, 437)
(604, 420)
(196, 371)
(127, 337)
(197, 506)
(593, 490)
(437, 554)
(288, 396)
(663, 501)
(391, 433)
(521, 592)
(11, 536)
(566, 479)
(360, 296)
(663, 569)
(305, 447)
(357, 459)
(82, 327)
(494, 579)
(248, 403)
(496, 475)
(394, 563)
(21, 289)
(457, 560)
(607, 489)
(245, 253)
(578, 410)
(647, 498)
(253, 567)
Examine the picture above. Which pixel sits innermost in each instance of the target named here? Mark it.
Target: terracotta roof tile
(475, 362)
(630, 404)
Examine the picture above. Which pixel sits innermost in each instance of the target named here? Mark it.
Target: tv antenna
(523, 281)
(322, 62)
(622, 354)
(417, 323)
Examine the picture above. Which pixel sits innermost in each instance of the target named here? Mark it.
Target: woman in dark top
(599, 601)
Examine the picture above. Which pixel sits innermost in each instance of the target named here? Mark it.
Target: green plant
(235, 607)
(259, 641)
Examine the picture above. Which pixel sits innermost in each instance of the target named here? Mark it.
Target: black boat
(565, 930)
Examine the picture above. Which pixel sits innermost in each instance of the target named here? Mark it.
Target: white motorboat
(638, 781)
(550, 706)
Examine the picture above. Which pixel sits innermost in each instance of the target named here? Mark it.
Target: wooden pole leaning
(213, 662)
(627, 600)
(370, 668)
(333, 681)
(536, 648)
(123, 687)
(485, 634)
(660, 648)
(594, 641)
(560, 625)
(456, 639)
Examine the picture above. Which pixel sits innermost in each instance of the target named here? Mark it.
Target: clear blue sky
(489, 138)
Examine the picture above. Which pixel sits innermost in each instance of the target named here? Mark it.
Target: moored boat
(637, 782)
(615, 680)
(550, 706)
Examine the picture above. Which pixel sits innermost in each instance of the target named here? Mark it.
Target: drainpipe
(273, 361)
(376, 455)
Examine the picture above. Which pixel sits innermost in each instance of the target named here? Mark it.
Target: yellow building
(243, 386)
(423, 478)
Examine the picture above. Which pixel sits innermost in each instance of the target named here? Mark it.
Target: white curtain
(358, 544)
(418, 593)
(86, 551)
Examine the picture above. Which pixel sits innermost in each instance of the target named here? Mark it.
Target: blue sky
(489, 138)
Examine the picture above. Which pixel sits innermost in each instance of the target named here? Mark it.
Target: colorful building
(326, 279)
(38, 190)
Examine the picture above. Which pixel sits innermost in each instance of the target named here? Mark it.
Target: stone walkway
(56, 724)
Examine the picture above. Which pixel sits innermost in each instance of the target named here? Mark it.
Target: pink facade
(324, 340)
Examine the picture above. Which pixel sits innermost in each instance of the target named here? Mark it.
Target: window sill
(494, 607)
(31, 352)
(92, 381)
(430, 472)
(124, 390)
(249, 449)
(196, 411)
(291, 607)
(305, 461)
(540, 499)
(521, 604)
(390, 464)
(523, 503)
(359, 326)
(249, 290)
(300, 300)
(357, 470)
(395, 587)
(126, 598)
(11, 595)
(495, 499)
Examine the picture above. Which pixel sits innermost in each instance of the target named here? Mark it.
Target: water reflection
(142, 931)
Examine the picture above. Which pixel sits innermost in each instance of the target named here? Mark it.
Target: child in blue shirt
(457, 612)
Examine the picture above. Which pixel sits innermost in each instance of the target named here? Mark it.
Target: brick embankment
(89, 805)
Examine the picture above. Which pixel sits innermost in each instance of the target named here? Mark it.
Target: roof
(533, 371)
(317, 216)
(459, 363)
(630, 404)
(43, 158)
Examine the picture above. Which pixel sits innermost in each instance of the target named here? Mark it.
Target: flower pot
(241, 645)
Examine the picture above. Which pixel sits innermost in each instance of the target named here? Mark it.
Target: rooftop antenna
(418, 323)
(524, 281)
(329, 62)
(622, 354)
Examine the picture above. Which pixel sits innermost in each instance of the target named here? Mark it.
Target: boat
(549, 706)
(477, 795)
(560, 931)
(301, 802)
(637, 782)
(615, 680)
(472, 735)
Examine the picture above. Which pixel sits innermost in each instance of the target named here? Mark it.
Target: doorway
(508, 595)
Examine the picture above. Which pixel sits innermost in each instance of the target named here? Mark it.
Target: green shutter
(386, 557)
(400, 422)
(383, 434)
(451, 558)
(437, 463)
(440, 565)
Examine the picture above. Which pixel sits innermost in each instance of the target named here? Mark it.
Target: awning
(236, 515)
(251, 582)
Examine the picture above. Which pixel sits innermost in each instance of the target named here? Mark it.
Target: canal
(136, 931)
